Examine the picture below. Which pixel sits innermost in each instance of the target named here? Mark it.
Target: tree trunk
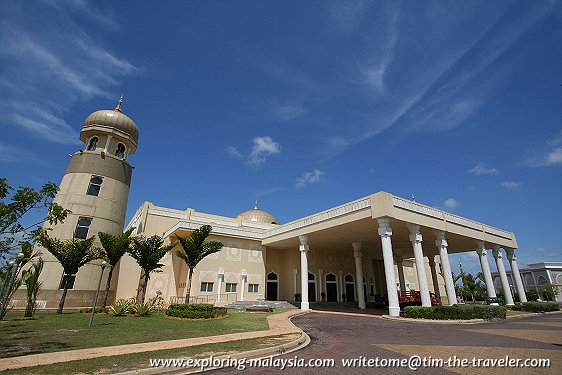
(107, 285)
(63, 297)
(188, 286)
(144, 285)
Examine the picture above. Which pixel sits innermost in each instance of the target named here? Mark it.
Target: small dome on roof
(115, 119)
(257, 216)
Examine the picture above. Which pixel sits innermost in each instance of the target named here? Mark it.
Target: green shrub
(98, 310)
(192, 306)
(540, 306)
(143, 309)
(194, 313)
(120, 307)
(532, 296)
(455, 312)
(516, 307)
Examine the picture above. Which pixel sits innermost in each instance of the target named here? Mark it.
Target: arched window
(94, 186)
(348, 278)
(92, 144)
(120, 152)
(330, 277)
(82, 227)
(272, 276)
(311, 276)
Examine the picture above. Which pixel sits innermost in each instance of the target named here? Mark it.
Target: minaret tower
(95, 187)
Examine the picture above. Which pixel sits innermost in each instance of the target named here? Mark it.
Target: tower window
(67, 279)
(120, 152)
(92, 144)
(230, 288)
(82, 227)
(94, 186)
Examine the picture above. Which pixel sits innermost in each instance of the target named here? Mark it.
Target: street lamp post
(11, 284)
(103, 264)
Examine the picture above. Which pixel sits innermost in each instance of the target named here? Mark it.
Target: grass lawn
(51, 332)
(108, 365)
(515, 313)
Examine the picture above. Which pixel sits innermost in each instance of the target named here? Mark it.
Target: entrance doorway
(272, 287)
(311, 287)
(331, 288)
(349, 288)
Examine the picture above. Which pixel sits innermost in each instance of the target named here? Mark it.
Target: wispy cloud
(348, 14)
(48, 68)
(308, 178)
(549, 157)
(548, 253)
(233, 151)
(263, 148)
(286, 110)
(451, 203)
(9, 154)
(482, 169)
(512, 185)
(554, 157)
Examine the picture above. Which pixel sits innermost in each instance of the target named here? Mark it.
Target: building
(357, 252)
(535, 276)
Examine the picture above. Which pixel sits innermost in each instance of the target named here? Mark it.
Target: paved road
(347, 337)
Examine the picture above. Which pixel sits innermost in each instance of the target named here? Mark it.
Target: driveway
(339, 337)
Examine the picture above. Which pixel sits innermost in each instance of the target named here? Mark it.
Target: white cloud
(233, 151)
(482, 169)
(51, 63)
(514, 185)
(548, 253)
(309, 178)
(451, 203)
(554, 157)
(263, 148)
(287, 110)
(14, 154)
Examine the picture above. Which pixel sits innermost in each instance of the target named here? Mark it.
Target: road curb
(471, 321)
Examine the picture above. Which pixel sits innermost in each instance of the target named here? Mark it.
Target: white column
(221, 277)
(321, 281)
(503, 276)
(433, 267)
(516, 275)
(244, 276)
(385, 232)
(295, 273)
(304, 272)
(441, 244)
(482, 254)
(400, 268)
(416, 239)
(107, 143)
(358, 255)
(341, 286)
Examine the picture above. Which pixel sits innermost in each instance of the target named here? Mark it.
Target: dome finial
(118, 108)
(256, 205)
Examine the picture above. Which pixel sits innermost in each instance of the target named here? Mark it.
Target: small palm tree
(114, 247)
(30, 278)
(72, 254)
(148, 252)
(194, 249)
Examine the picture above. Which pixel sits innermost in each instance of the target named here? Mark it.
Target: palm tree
(194, 249)
(114, 247)
(30, 278)
(72, 254)
(148, 252)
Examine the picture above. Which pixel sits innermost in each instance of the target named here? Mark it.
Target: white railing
(205, 298)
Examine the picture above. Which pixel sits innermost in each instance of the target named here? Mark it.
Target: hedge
(540, 306)
(455, 312)
(196, 311)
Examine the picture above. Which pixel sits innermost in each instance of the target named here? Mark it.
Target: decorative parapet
(496, 231)
(416, 207)
(463, 221)
(166, 213)
(134, 223)
(322, 216)
(216, 230)
(213, 220)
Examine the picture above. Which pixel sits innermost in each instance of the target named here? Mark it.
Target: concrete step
(272, 304)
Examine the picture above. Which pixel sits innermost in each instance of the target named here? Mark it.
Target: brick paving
(339, 337)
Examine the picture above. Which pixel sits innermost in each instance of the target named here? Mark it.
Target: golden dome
(257, 216)
(114, 119)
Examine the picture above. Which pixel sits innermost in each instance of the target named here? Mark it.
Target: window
(92, 144)
(230, 288)
(95, 186)
(120, 152)
(272, 276)
(82, 227)
(64, 279)
(253, 288)
(206, 287)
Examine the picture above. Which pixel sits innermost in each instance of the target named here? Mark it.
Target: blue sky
(301, 105)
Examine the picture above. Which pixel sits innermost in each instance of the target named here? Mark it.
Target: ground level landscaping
(50, 332)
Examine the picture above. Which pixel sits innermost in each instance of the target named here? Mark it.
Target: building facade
(362, 251)
(535, 277)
